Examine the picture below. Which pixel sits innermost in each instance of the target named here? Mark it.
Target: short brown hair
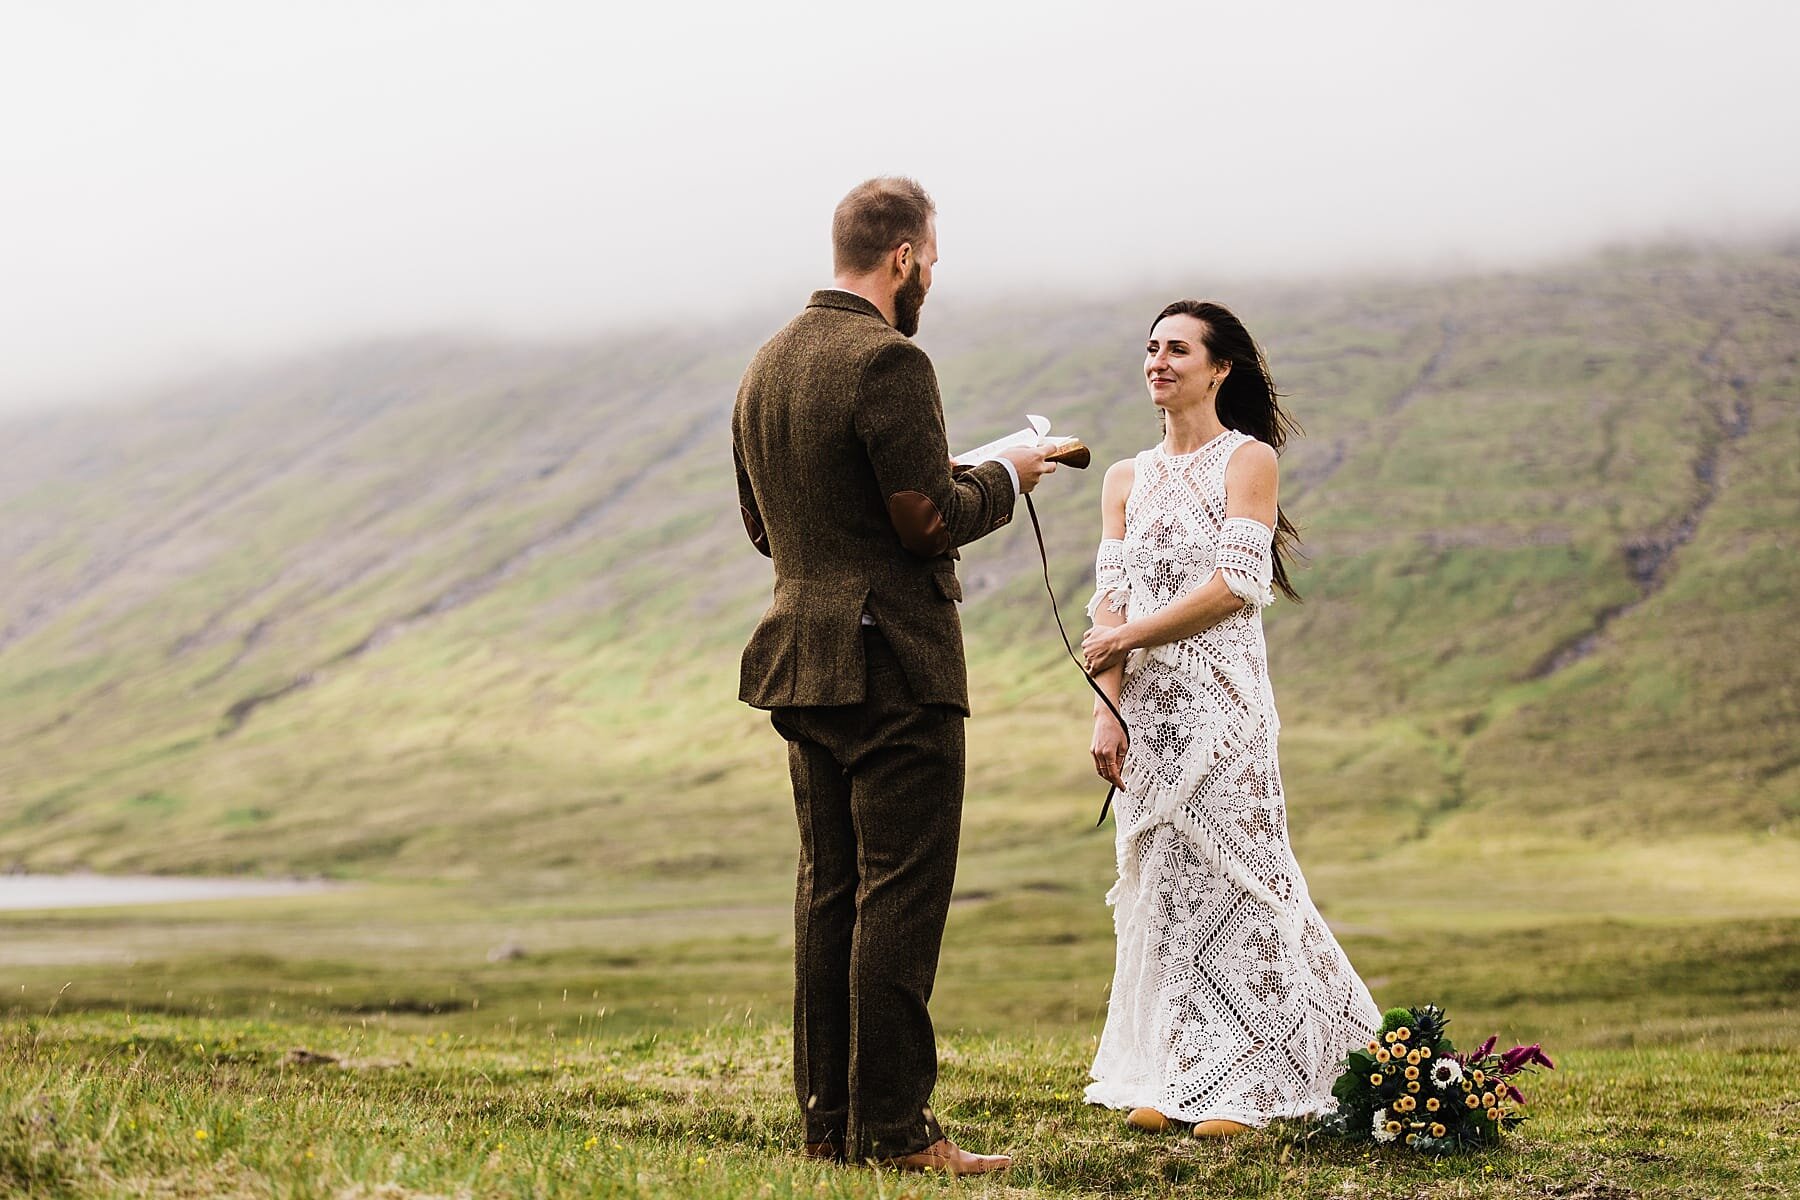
(875, 218)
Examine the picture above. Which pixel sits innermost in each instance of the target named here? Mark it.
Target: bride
(1231, 1002)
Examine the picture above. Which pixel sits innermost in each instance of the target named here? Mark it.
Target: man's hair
(874, 219)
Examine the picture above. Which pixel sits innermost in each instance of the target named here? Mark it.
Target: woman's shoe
(1219, 1129)
(1148, 1119)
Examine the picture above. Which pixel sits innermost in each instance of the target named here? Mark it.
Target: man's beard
(908, 301)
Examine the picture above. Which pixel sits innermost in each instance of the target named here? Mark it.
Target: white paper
(1035, 433)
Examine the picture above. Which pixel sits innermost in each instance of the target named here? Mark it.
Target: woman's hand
(1105, 647)
(1109, 750)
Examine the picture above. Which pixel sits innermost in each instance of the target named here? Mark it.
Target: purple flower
(1520, 1057)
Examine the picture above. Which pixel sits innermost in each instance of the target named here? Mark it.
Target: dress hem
(1129, 1096)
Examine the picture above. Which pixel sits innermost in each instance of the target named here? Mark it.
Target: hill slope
(447, 608)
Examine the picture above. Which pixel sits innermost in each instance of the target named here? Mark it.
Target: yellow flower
(1467, 1086)
(1479, 1079)
(1493, 1114)
(1424, 1051)
(1411, 1138)
(1392, 1127)
(1375, 1078)
(1382, 1056)
(1403, 1033)
(199, 1135)
(1473, 1101)
(1487, 1100)
(1437, 1130)
(1500, 1090)
(1412, 1072)
(1412, 1085)
(1374, 1046)
(1389, 1037)
(1431, 1105)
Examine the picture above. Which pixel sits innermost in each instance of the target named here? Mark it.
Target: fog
(195, 183)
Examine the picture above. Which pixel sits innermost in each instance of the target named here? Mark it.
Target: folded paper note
(1068, 450)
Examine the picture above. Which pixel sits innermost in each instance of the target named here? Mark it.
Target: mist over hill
(448, 607)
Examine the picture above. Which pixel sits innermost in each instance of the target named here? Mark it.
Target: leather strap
(1043, 554)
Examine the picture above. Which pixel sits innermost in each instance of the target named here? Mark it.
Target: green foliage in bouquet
(1412, 1087)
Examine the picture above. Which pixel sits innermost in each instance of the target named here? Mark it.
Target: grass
(637, 1047)
(1602, 857)
(121, 1106)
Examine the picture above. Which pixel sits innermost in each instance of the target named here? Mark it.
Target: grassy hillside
(458, 624)
(447, 608)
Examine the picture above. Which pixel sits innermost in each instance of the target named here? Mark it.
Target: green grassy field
(456, 626)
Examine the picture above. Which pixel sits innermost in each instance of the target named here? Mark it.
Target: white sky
(191, 181)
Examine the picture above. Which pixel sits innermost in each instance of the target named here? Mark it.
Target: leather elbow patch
(919, 523)
(754, 528)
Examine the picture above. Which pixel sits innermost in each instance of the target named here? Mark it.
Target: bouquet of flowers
(1411, 1085)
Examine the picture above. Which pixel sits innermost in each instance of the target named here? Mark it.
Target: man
(844, 480)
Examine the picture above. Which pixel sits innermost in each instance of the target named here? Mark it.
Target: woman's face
(1177, 368)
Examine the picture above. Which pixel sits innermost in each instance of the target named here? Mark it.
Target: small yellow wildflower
(1375, 1078)
(1382, 1056)
(1389, 1037)
(1412, 1056)
(1437, 1130)
(1493, 1114)
(1424, 1051)
(1403, 1033)
(1479, 1079)
(1487, 1100)
(1392, 1127)
(1374, 1046)
(1412, 1086)
(1431, 1105)
(1412, 1072)
(1472, 1100)
(199, 1135)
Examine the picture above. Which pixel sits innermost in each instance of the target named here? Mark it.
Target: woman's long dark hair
(1247, 401)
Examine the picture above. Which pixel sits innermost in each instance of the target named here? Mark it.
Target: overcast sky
(188, 182)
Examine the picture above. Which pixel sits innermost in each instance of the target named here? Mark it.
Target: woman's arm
(1251, 488)
(1108, 746)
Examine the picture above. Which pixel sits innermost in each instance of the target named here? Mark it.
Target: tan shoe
(1150, 1120)
(946, 1156)
(1220, 1129)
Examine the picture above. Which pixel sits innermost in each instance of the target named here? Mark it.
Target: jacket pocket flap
(948, 585)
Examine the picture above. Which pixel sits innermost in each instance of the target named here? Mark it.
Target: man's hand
(1030, 464)
(1109, 750)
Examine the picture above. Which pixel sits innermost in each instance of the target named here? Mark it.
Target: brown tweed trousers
(844, 480)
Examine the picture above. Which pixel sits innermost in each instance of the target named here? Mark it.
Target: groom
(844, 480)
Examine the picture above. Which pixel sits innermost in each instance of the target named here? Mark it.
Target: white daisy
(1446, 1072)
(1381, 1129)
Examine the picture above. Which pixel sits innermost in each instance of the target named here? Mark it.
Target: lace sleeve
(1245, 560)
(1110, 587)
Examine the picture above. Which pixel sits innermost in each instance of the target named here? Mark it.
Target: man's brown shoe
(825, 1151)
(946, 1156)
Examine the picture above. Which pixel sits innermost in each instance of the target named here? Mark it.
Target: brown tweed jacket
(844, 479)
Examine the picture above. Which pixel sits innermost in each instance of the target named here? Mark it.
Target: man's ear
(902, 259)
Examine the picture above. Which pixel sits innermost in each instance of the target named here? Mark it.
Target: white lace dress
(1230, 998)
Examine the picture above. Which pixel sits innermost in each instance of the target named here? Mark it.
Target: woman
(1231, 1002)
